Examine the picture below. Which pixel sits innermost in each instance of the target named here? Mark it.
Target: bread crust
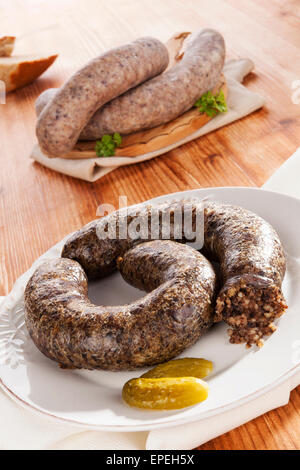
(18, 71)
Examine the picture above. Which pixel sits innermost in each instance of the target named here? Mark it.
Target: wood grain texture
(38, 206)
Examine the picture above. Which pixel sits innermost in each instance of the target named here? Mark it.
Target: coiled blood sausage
(69, 329)
(181, 285)
(248, 249)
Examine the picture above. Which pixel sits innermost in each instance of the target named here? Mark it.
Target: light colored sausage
(43, 99)
(102, 79)
(163, 98)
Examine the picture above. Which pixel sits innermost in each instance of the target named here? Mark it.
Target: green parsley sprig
(107, 145)
(211, 104)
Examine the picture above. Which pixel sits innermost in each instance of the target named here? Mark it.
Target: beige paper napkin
(241, 102)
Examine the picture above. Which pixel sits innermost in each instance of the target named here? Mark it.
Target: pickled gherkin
(166, 393)
(185, 367)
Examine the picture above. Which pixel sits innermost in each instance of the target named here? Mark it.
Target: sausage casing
(102, 79)
(251, 257)
(69, 329)
(167, 96)
(163, 98)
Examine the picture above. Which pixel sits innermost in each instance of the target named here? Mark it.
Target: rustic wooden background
(39, 206)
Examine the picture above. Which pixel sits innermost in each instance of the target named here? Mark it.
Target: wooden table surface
(39, 206)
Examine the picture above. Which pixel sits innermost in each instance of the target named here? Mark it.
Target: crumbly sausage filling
(250, 312)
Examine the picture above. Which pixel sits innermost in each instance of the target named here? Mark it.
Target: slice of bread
(18, 71)
(7, 45)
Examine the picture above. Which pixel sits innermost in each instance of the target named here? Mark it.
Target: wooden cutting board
(140, 143)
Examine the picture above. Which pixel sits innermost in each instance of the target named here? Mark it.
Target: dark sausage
(69, 329)
(249, 250)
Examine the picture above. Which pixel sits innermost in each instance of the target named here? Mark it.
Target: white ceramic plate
(93, 398)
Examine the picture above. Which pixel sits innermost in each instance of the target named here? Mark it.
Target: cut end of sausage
(249, 304)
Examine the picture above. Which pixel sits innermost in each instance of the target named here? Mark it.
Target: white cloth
(286, 179)
(21, 429)
(240, 103)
